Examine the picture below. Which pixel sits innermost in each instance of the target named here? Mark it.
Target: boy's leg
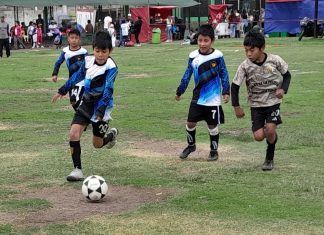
(265, 121)
(75, 135)
(101, 136)
(214, 116)
(271, 138)
(214, 139)
(110, 139)
(191, 140)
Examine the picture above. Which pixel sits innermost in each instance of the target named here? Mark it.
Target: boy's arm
(106, 99)
(235, 95)
(282, 90)
(58, 63)
(286, 81)
(185, 79)
(223, 73)
(76, 77)
(235, 87)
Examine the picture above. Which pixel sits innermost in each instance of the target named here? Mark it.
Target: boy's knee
(97, 142)
(74, 136)
(191, 125)
(97, 145)
(258, 136)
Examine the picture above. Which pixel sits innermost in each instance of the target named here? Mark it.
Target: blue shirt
(74, 60)
(98, 84)
(210, 76)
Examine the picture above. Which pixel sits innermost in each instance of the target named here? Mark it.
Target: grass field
(230, 196)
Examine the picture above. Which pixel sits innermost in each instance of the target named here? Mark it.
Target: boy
(267, 80)
(74, 56)
(211, 83)
(99, 73)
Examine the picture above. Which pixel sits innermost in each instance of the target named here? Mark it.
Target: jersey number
(103, 128)
(76, 92)
(213, 113)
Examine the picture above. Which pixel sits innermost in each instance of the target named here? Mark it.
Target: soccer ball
(94, 188)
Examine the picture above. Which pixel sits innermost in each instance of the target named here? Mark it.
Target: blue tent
(284, 15)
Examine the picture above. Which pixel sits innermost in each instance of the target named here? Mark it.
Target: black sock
(76, 153)
(107, 139)
(271, 149)
(214, 139)
(191, 136)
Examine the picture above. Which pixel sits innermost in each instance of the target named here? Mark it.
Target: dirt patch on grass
(145, 148)
(68, 204)
(136, 75)
(49, 79)
(4, 127)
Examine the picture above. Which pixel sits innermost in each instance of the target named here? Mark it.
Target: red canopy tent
(217, 12)
(150, 12)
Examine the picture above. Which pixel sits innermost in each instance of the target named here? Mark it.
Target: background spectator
(89, 27)
(137, 29)
(4, 36)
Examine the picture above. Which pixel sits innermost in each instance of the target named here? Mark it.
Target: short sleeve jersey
(262, 81)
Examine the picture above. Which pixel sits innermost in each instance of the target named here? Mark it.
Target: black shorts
(83, 116)
(213, 115)
(262, 115)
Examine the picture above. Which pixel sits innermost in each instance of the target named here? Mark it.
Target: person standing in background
(137, 29)
(89, 27)
(40, 21)
(4, 36)
(107, 22)
(169, 24)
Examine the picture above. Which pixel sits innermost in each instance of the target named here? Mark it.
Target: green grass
(225, 197)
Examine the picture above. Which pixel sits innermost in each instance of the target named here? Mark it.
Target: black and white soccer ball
(94, 188)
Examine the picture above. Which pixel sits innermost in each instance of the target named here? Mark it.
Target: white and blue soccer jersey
(74, 60)
(210, 76)
(99, 86)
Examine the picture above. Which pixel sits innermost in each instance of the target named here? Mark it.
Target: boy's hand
(178, 98)
(226, 98)
(56, 97)
(280, 93)
(54, 78)
(239, 112)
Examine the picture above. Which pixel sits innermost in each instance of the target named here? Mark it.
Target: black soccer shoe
(213, 155)
(189, 149)
(267, 165)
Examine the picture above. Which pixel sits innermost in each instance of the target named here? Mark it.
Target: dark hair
(102, 40)
(206, 30)
(74, 31)
(254, 39)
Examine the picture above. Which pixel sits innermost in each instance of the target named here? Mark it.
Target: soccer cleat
(114, 132)
(189, 149)
(75, 175)
(267, 165)
(213, 155)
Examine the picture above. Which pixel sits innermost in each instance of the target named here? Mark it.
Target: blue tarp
(285, 16)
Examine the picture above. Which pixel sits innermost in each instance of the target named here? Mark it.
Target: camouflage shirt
(262, 81)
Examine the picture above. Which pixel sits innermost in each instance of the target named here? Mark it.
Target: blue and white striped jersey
(98, 84)
(210, 76)
(73, 59)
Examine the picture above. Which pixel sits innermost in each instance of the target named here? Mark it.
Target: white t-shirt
(107, 22)
(125, 28)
